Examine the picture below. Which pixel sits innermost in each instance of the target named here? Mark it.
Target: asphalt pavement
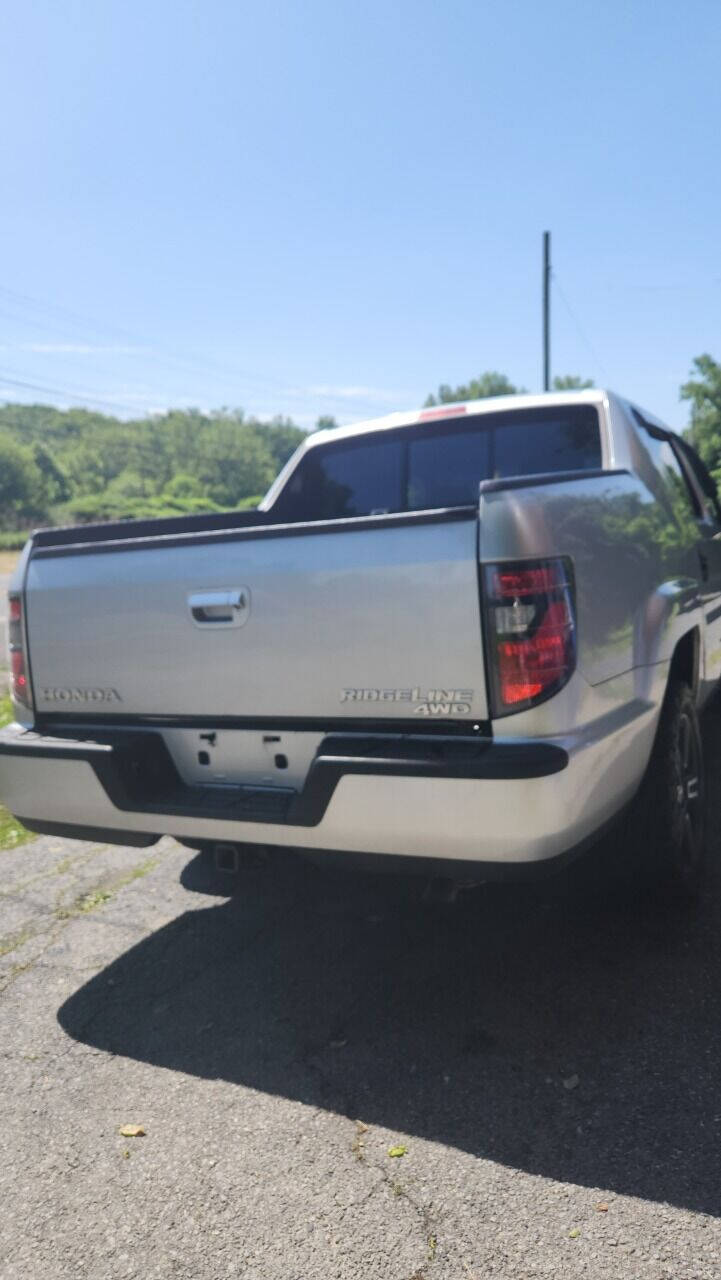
(545, 1062)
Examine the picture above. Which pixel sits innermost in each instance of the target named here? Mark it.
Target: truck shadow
(553, 1029)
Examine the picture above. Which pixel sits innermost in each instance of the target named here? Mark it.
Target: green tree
(235, 462)
(326, 422)
(127, 486)
(485, 385)
(85, 470)
(571, 382)
(703, 389)
(22, 492)
(183, 486)
(282, 438)
(55, 481)
(91, 466)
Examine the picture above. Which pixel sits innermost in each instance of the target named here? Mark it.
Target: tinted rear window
(439, 464)
(351, 481)
(561, 444)
(444, 469)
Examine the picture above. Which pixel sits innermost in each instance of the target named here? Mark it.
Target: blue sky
(331, 208)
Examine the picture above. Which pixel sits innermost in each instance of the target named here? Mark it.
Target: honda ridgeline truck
(469, 637)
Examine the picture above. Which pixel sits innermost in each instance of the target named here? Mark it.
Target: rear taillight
(19, 679)
(530, 630)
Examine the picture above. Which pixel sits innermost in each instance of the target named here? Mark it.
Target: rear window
(333, 483)
(439, 464)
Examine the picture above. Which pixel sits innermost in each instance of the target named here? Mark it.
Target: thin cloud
(70, 348)
(382, 394)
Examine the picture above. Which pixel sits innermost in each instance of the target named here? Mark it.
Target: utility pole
(546, 311)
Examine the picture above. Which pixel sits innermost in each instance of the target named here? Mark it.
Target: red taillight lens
(523, 581)
(17, 669)
(531, 631)
(15, 622)
(19, 683)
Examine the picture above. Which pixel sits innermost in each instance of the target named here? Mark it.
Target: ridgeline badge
(425, 702)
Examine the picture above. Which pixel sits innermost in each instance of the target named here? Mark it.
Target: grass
(14, 940)
(12, 833)
(82, 905)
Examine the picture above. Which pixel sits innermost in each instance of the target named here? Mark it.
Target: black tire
(669, 819)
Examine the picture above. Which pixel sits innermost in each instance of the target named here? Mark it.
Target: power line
(65, 392)
(97, 329)
(158, 355)
(546, 310)
(579, 329)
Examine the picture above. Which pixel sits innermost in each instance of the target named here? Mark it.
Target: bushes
(75, 466)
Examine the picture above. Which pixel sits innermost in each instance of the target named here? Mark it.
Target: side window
(571, 441)
(671, 484)
(351, 480)
(683, 500)
(674, 477)
(711, 509)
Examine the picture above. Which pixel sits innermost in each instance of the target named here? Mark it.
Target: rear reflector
(17, 668)
(19, 682)
(531, 632)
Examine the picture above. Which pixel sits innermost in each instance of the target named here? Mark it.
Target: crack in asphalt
(424, 1215)
(63, 868)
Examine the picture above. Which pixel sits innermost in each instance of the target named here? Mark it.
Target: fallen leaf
(132, 1131)
(361, 1127)
(394, 1152)
(602, 1207)
(574, 1234)
(126, 1154)
(571, 1082)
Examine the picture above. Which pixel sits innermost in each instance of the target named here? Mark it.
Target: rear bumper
(509, 803)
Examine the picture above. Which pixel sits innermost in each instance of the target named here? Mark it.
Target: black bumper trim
(138, 775)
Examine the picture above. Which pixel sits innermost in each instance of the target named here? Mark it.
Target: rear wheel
(670, 813)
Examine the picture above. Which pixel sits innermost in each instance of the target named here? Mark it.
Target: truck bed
(160, 526)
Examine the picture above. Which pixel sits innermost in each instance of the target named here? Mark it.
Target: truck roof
(490, 404)
(599, 396)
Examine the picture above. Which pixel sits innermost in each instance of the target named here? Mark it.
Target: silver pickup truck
(469, 638)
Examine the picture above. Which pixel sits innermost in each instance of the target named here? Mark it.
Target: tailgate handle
(227, 608)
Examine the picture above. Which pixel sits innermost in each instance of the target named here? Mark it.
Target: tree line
(65, 466)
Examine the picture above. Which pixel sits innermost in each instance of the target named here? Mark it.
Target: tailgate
(374, 622)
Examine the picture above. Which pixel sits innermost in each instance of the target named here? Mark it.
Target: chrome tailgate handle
(224, 608)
